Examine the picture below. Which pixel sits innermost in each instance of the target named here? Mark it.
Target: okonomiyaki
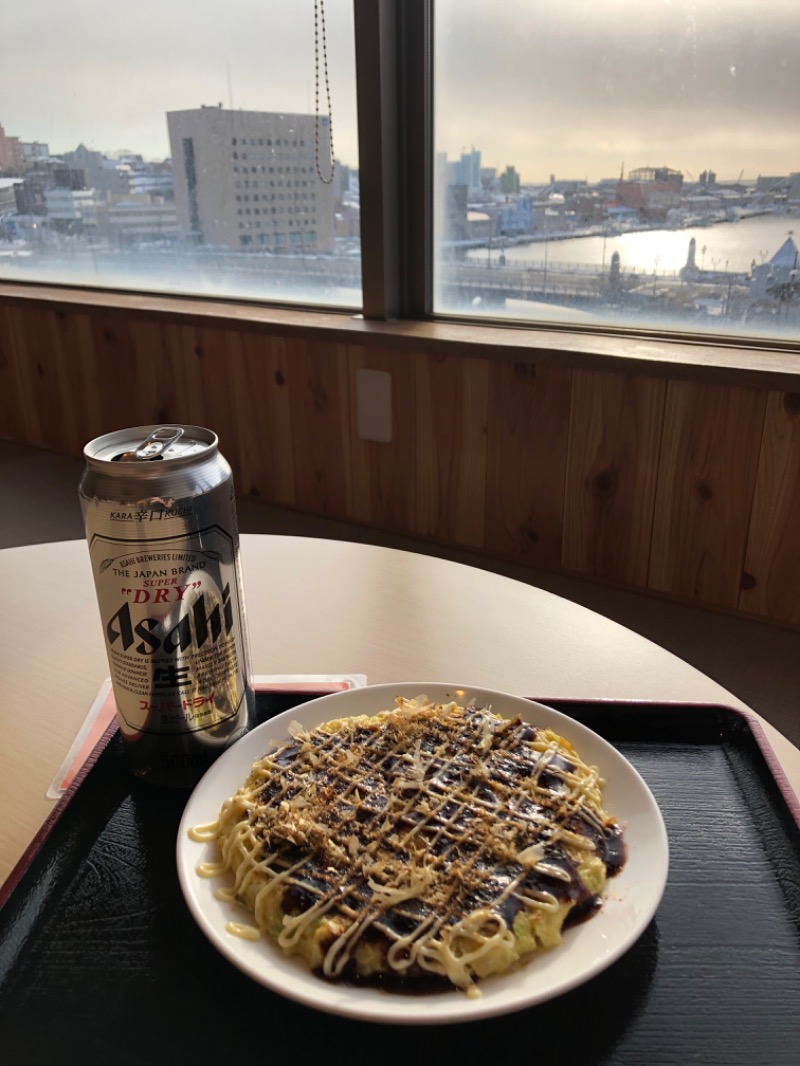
(424, 847)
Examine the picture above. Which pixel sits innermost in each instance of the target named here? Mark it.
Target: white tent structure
(780, 270)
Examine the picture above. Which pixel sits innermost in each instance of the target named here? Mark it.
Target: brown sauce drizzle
(347, 820)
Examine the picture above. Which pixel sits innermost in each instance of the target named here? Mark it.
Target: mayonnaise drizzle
(246, 932)
(398, 821)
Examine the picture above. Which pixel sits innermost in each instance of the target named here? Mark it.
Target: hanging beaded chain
(319, 19)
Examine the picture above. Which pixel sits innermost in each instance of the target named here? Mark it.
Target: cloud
(574, 88)
(106, 73)
(571, 85)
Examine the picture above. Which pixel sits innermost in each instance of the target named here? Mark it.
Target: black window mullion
(393, 79)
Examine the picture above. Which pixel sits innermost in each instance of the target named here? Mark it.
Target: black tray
(100, 961)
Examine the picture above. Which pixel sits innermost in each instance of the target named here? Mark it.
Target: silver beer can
(160, 516)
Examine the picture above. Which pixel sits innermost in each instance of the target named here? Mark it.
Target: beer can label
(171, 614)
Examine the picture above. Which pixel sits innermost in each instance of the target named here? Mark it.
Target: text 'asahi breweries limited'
(160, 517)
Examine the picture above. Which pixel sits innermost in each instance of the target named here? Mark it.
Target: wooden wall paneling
(219, 360)
(204, 373)
(216, 378)
(53, 396)
(37, 381)
(155, 374)
(707, 475)
(52, 408)
(45, 389)
(726, 515)
(185, 374)
(262, 420)
(18, 416)
(320, 413)
(115, 372)
(384, 486)
(771, 579)
(526, 461)
(73, 355)
(452, 411)
(614, 439)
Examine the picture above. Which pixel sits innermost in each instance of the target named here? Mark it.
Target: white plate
(631, 897)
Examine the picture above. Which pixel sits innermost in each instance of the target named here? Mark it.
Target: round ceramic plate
(630, 902)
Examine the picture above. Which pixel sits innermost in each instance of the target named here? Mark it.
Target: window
(614, 166)
(165, 115)
(619, 164)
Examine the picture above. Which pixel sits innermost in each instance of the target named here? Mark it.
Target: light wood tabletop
(319, 607)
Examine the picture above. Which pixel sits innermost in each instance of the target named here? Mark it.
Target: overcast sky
(576, 88)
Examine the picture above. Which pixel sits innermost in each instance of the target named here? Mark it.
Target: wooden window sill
(746, 362)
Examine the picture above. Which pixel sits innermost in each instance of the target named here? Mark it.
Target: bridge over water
(461, 282)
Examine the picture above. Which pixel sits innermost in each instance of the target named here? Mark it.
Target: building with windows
(467, 171)
(515, 217)
(35, 152)
(46, 176)
(89, 162)
(140, 218)
(8, 201)
(12, 156)
(248, 179)
(509, 180)
(71, 210)
(651, 191)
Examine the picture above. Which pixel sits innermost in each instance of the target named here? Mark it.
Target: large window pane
(619, 163)
(181, 147)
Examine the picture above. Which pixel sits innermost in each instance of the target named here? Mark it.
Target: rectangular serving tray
(101, 960)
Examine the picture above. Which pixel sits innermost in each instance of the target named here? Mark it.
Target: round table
(319, 607)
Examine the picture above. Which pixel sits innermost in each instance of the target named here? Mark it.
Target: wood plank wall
(684, 488)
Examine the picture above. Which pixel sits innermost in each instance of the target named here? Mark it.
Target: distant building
(765, 183)
(347, 220)
(489, 182)
(47, 175)
(154, 179)
(140, 218)
(567, 186)
(88, 161)
(515, 217)
(7, 197)
(651, 191)
(126, 175)
(467, 171)
(12, 156)
(70, 210)
(548, 215)
(480, 226)
(248, 179)
(35, 152)
(509, 180)
(452, 216)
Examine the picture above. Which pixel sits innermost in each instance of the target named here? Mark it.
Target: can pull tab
(156, 444)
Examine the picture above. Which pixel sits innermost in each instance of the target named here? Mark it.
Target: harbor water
(725, 246)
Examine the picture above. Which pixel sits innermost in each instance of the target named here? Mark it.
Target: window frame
(394, 98)
(395, 93)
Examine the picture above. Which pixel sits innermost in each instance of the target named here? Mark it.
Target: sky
(579, 89)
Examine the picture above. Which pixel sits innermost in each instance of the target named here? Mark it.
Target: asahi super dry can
(160, 515)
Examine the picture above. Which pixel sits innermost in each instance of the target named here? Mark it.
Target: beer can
(160, 516)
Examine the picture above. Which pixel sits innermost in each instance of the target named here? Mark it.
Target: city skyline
(717, 90)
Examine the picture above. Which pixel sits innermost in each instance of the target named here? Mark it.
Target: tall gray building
(248, 179)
